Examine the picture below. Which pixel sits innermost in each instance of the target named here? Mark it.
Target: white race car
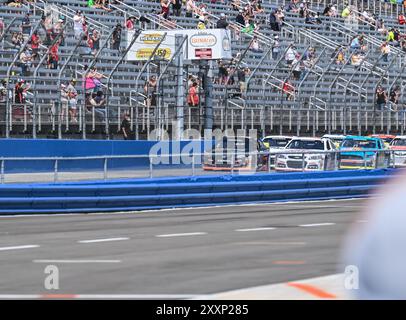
(398, 146)
(273, 144)
(307, 158)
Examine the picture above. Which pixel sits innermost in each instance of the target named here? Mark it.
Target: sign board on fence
(200, 44)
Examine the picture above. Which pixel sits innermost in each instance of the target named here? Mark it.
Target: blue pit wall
(42, 148)
(159, 193)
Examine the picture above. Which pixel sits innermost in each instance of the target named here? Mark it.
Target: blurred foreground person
(377, 248)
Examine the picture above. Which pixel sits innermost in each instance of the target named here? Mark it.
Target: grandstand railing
(189, 164)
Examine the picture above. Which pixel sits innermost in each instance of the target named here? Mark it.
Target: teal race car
(358, 152)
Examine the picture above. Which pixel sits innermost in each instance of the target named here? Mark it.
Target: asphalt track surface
(175, 253)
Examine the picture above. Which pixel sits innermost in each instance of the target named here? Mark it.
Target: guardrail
(195, 164)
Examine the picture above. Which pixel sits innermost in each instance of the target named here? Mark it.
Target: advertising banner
(200, 45)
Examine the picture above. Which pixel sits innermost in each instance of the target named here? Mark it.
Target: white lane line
(103, 240)
(30, 246)
(76, 261)
(180, 234)
(255, 229)
(317, 224)
(362, 221)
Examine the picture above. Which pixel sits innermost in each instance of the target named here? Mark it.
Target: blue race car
(358, 152)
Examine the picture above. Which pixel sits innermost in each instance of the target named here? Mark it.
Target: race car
(398, 145)
(307, 158)
(387, 138)
(236, 154)
(275, 143)
(337, 139)
(360, 152)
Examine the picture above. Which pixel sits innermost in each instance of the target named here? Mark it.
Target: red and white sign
(203, 53)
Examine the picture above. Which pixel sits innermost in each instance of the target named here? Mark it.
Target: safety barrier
(141, 194)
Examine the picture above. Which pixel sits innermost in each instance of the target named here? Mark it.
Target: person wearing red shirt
(35, 42)
(193, 97)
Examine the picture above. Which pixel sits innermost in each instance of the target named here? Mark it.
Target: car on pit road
(337, 139)
(236, 154)
(398, 146)
(387, 138)
(307, 157)
(275, 143)
(359, 152)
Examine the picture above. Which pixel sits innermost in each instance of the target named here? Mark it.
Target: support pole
(179, 89)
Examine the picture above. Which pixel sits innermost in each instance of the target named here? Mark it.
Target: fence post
(150, 166)
(193, 165)
(2, 172)
(56, 171)
(303, 164)
(105, 169)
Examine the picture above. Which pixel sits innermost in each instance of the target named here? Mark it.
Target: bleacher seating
(330, 98)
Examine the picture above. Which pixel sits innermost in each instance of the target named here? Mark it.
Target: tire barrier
(159, 193)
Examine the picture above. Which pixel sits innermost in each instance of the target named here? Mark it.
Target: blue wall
(80, 148)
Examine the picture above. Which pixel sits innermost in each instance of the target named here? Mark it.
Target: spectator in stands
(20, 91)
(116, 37)
(273, 21)
(296, 67)
(290, 55)
(346, 12)
(242, 75)
(150, 91)
(403, 45)
(249, 28)
(2, 27)
(14, 3)
(126, 127)
(292, 6)
(25, 62)
(17, 39)
(223, 73)
(394, 95)
(130, 23)
(222, 23)
(193, 96)
(190, 8)
(275, 47)
(385, 50)
(356, 58)
(380, 26)
(289, 90)
(255, 45)
(26, 25)
(95, 41)
(78, 22)
(72, 97)
(92, 81)
(401, 19)
(53, 57)
(240, 18)
(97, 102)
(355, 43)
(102, 4)
(58, 29)
(177, 7)
(339, 55)
(165, 8)
(391, 38)
(381, 98)
(3, 91)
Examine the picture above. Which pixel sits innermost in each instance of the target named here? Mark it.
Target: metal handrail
(11, 67)
(34, 132)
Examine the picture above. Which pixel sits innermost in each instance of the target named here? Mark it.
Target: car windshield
(362, 144)
(237, 144)
(399, 142)
(306, 144)
(276, 142)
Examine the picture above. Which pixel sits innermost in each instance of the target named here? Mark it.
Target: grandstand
(330, 87)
